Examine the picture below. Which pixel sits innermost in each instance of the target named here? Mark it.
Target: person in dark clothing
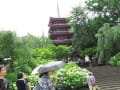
(94, 61)
(21, 83)
(3, 82)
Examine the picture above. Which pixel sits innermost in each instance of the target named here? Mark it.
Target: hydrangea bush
(71, 76)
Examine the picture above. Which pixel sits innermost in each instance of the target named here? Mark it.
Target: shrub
(88, 51)
(45, 53)
(118, 63)
(115, 60)
(12, 77)
(71, 77)
(62, 52)
(26, 69)
(32, 79)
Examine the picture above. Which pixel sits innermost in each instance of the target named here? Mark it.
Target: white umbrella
(51, 66)
(35, 70)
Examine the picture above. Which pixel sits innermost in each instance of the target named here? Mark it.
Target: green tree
(15, 48)
(45, 42)
(62, 52)
(87, 20)
(23, 54)
(37, 42)
(84, 29)
(108, 10)
(108, 42)
(31, 41)
(7, 41)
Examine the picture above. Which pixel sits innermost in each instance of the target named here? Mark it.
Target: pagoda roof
(55, 19)
(58, 26)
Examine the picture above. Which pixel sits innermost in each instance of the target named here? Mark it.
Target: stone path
(107, 77)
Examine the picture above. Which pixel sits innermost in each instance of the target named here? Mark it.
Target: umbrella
(51, 66)
(35, 70)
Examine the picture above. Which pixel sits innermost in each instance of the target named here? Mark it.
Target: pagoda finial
(58, 12)
(42, 33)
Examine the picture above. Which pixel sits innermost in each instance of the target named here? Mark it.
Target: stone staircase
(107, 77)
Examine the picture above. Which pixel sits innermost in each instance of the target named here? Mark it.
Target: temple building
(59, 31)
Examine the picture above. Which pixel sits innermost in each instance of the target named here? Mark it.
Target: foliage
(31, 41)
(88, 51)
(26, 53)
(32, 79)
(36, 42)
(7, 45)
(84, 29)
(25, 68)
(87, 20)
(45, 53)
(108, 41)
(115, 60)
(45, 42)
(108, 10)
(7, 40)
(22, 54)
(12, 77)
(76, 20)
(71, 76)
(20, 50)
(44, 61)
(53, 52)
(13, 47)
(62, 51)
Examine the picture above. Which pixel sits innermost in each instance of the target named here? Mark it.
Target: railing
(59, 25)
(65, 41)
(61, 33)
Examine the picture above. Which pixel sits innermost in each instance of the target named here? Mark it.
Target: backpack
(4, 85)
(92, 81)
(27, 85)
(44, 83)
(41, 84)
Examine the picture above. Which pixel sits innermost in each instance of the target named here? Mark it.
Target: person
(21, 83)
(91, 82)
(94, 60)
(68, 59)
(87, 60)
(3, 82)
(44, 82)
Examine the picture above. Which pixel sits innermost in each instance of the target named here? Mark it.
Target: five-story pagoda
(59, 31)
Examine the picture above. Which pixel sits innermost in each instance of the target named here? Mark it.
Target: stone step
(110, 84)
(107, 77)
(107, 85)
(110, 88)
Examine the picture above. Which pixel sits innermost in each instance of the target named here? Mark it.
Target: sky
(32, 16)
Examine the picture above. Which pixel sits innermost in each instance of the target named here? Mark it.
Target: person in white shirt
(87, 60)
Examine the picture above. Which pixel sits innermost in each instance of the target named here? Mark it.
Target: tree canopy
(108, 41)
(87, 20)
